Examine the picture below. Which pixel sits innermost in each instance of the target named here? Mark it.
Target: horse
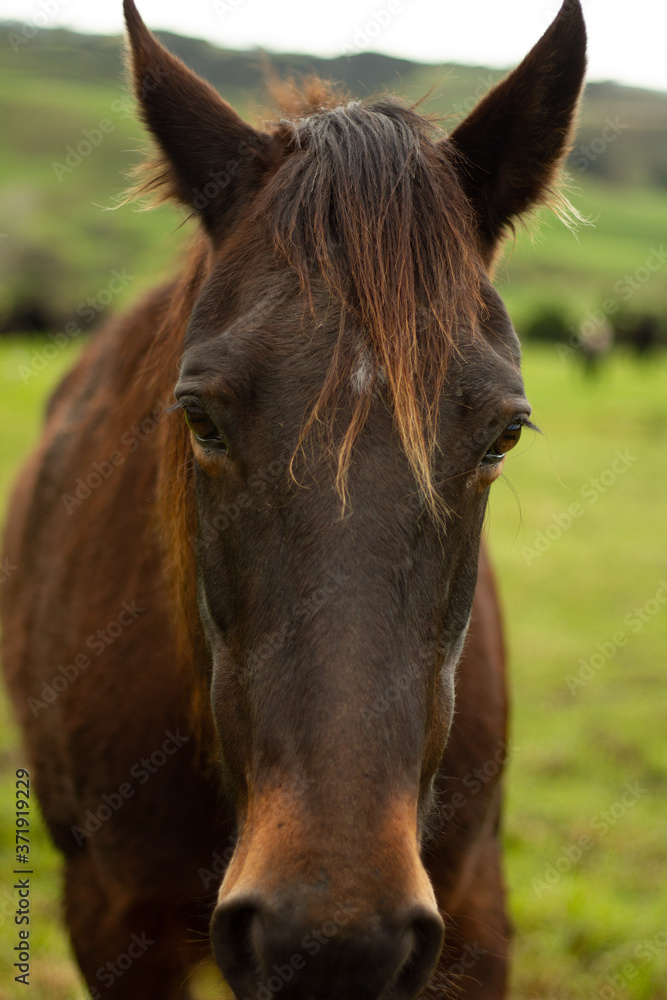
(254, 643)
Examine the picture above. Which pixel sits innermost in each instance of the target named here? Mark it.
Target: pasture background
(605, 915)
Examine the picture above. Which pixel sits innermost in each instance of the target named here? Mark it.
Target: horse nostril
(427, 931)
(233, 935)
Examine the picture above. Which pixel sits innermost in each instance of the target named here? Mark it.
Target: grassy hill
(60, 244)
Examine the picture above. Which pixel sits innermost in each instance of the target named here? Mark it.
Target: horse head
(350, 385)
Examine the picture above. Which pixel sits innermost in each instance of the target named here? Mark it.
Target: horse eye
(503, 443)
(203, 427)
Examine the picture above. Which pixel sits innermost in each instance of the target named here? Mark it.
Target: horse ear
(212, 161)
(513, 142)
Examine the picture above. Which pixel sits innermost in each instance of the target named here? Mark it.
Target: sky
(628, 38)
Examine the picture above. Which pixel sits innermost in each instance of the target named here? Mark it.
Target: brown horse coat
(237, 660)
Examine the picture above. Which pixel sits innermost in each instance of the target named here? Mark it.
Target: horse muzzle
(295, 949)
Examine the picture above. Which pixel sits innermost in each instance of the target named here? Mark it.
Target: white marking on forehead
(365, 372)
(362, 372)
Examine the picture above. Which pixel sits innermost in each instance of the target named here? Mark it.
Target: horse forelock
(369, 201)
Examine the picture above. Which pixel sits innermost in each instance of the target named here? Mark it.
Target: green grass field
(577, 533)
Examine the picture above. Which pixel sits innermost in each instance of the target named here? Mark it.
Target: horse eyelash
(525, 422)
